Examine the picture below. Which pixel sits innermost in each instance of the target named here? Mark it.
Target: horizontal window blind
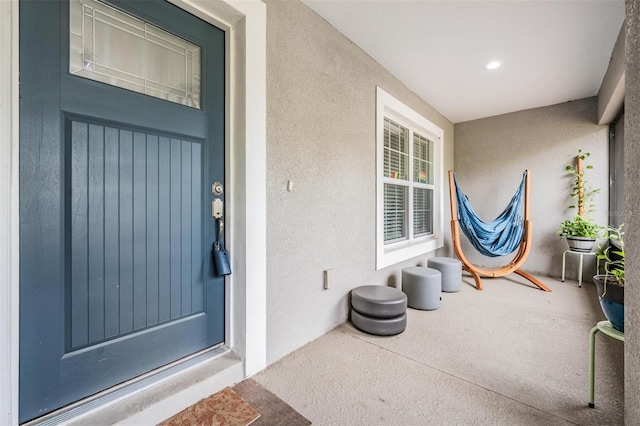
(422, 211)
(395, 212)
(396, 150)
(422, 159)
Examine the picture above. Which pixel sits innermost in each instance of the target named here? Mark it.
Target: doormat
(225, 408)
(273, 410)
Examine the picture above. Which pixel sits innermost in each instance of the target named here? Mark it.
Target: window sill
(401, 251)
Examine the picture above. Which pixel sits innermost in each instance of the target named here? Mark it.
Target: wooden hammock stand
(516, 262)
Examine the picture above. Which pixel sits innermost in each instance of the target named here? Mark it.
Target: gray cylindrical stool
(378, 301)
(451, 270)
(422, 287)
(379, 326)
(378, 310)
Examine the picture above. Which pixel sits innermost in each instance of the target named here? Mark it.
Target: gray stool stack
(451, 270)
(422, 287)
(379, 310)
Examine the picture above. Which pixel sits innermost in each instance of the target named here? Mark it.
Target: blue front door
(115, 194)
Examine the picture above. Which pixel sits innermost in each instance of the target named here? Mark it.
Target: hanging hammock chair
(509, 232)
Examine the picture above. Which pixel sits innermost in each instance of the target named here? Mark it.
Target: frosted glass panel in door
(113, 47)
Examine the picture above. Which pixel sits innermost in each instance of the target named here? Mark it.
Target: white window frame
(390, 254)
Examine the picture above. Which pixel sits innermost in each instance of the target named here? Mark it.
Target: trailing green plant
(613, 257)
(581, 191)
(579, 226)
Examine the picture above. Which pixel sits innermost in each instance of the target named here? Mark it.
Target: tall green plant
(581, 224)
(581, 191)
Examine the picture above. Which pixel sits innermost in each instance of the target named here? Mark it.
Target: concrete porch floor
(508, 355)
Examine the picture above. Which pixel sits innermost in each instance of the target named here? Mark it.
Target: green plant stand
(606, 328)
(581, 254)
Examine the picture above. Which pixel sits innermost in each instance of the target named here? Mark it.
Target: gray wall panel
(492, 153)
(321, 110)
(632, 216)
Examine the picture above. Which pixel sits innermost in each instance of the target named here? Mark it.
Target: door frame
(244, 22)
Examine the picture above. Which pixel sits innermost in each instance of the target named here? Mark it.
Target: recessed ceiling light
(493, 65)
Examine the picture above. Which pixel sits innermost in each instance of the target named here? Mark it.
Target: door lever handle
(220, 230)
(216, 213)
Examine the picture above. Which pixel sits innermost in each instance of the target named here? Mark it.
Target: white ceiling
(552, 51)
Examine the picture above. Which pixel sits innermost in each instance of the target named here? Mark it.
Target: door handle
(221, 262)
(220, 230)
(217, 207)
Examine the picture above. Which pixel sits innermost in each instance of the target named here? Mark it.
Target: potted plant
(580, 232)
(610, 285)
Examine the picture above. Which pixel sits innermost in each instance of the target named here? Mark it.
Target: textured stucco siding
(492, 153)
(611, 93)
(321, 106)
(632, 217)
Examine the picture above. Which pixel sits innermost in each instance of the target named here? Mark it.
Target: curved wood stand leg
(532, 279)
(475, 276)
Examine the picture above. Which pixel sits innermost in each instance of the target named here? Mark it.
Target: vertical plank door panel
(126, 230)
(111, 234)
(139, 231)
(164, 229)
(152, 230)
(79, 235)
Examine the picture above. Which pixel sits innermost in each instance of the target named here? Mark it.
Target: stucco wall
(611, 93)
(321, 103)
(492, 153)
(632, 217)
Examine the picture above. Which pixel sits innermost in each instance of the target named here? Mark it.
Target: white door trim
(9, 228)
(245, 22)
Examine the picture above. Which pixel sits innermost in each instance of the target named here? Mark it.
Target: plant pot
(581, 244)
(612, 302)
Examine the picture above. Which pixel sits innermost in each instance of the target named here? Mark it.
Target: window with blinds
(395, 212)
(396, 150)
(409, 176)
(396, 164)
(402, 160)
(423, 185)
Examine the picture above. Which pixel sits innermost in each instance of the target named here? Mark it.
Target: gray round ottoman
(422, 287)
(379, 326)
(451, 270)
(378, 310)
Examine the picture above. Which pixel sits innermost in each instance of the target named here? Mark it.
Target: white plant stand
(580, 262)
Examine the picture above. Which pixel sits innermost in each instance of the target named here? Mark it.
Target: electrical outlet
(328, 278)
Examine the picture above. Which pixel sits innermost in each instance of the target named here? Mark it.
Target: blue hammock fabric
(502, 235)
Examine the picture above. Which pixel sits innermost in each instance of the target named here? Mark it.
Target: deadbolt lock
(217, 189)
